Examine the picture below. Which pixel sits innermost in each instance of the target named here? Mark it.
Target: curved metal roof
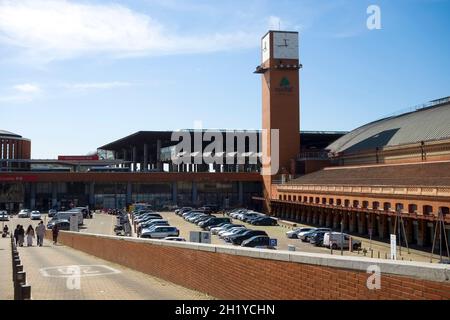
(427, 123)
(5, 133)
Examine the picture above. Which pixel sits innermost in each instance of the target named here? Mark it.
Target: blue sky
(75, 75)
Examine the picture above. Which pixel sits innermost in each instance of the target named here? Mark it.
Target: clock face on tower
(265, 48)
(285, 45)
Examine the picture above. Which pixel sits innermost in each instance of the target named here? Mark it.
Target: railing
(22, 291)
(313, 155)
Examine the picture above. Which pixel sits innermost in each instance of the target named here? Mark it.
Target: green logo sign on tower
(284, 86)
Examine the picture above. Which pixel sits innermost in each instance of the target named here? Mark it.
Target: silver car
(160, 232)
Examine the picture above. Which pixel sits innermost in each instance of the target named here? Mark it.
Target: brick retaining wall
(234, 273)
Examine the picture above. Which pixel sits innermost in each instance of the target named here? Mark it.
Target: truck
(336, 239)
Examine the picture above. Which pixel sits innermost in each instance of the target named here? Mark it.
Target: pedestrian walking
(16, 235)
(5, 231)
(40, 233)
(30, 235)
(55, 231)
(21, 235)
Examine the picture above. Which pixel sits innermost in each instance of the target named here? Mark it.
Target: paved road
(50, 274)
(50, 271)
(6, 286)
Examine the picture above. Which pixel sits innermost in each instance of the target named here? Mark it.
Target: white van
(65, 215)
(335, 239)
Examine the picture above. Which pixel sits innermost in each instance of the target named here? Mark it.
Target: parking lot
(379, 249)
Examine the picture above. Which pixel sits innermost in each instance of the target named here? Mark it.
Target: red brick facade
(228, 276)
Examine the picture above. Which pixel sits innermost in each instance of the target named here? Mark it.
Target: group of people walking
(39, 232)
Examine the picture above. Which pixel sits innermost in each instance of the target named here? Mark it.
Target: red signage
(78, 158)
(17, 178)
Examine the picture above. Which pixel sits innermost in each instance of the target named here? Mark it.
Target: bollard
(25, 293)
(385, 255)
(21, 279)
(371, 253)
(18, 268)
(378, 254)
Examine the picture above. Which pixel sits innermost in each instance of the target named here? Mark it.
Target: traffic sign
(273, 242)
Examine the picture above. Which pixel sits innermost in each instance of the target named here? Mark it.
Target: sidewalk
(6, 284)
(49, 272)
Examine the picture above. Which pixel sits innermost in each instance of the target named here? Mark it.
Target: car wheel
(334, 246)
(355, 246)
(294, 236)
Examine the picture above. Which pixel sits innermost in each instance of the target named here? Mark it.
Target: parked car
(213, 221)
(156, 222)
(35, 215)
(148, 218)
(51, 213)
(250, 215)
(216, 227)
(264, 221)
(317, 238)
(293, 234)
(239, 238)
(230, 231)
(306, 236)
(160, 232)
(24, 213)
(175, 239)
(182, 210)
(4, 216)
(256, 241)
(336, 239)
(63, 224)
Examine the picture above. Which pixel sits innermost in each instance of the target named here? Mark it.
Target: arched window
(375, 205)
(365, 204)
(355, 204)
(338, 202)
(331, 201)
(412, 208)
(427, 210)
(347, 203)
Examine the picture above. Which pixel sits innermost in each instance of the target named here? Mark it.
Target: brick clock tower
(280, 102)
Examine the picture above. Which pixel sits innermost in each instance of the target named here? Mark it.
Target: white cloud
(27, 88)
(46, 30)
(97, 85)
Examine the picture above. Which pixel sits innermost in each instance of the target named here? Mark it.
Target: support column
(32, 196)
(174, 193)
(91, 195)
(54, 194)
(408, 229)
(316, 215)
(321, 217)
(158, 155)
(336, 219)
(382, 226)
(329, 217)
(421, 236)
(194, 193)
(362, 223)
(352, 222)
(128, 198)
(145, 158)
(133, 158)
(241, 192)
(345, 216)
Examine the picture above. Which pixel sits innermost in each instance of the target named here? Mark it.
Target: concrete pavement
(53, 273)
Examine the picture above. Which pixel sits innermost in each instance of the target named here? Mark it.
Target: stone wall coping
(420, 270)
